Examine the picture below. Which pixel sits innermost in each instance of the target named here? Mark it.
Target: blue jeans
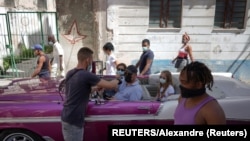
(44, 74)
(72, 132)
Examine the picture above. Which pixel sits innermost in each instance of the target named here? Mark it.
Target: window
(165, 13)
(230, 14)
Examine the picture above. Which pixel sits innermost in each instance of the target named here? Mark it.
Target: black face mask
(189, 93)
(128, 77)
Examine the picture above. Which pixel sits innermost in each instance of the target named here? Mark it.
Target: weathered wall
(222, 51)
(76, 22)
(24, 5)
(80, 23)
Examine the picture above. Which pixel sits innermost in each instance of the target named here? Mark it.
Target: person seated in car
(129, 89)
(120, 70)
(166, 86)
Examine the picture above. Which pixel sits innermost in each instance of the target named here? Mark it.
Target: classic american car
(30, 108)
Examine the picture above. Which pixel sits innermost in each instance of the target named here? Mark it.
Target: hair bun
(185, 35)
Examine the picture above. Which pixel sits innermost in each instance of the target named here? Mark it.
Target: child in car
(166, 86)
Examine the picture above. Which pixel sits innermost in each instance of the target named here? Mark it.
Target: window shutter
(230, 14)
(165, 13)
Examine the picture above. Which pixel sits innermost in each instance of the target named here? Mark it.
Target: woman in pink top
(195, 105)
(181, 60)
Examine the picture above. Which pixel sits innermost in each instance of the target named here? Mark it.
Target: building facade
(219, 29)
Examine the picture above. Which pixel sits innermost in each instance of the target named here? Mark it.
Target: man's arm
(108, 84)
(145, 69)
(190, 53)
(60, 51)
(174, 59)
(213, 114)
(61, 62)
(39, 66)
(50, 67)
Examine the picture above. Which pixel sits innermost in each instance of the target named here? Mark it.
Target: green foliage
(26, 54)
(48, 49)
(6, 63)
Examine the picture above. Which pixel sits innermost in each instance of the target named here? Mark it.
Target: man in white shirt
(58, 66)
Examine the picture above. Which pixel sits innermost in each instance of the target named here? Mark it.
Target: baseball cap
(132, 68)
(37, 47)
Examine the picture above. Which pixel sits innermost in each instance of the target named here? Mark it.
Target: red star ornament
(74, 35)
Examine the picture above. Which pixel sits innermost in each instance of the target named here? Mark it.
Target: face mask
(162, 81)
(128, 78)
(51, 43)
(120, 72)
(189, 93)
(144, 48)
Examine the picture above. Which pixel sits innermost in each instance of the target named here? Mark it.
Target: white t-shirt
(169, 90)
(110, 65)
(57, 50)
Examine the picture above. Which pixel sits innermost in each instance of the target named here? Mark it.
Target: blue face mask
(162, 81)
(119, 72)
(144, 48)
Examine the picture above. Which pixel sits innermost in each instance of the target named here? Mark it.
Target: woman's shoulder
(188, 46)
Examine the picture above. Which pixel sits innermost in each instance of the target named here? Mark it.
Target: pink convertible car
(30, 109)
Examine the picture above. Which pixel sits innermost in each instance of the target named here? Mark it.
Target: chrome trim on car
(135, 117)
(29, 119)
(94, 118)
(46, 138)
(119, 117)
(88, 118)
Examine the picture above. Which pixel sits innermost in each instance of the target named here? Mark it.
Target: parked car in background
(30, 108)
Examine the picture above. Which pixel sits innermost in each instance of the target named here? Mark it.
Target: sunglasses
(120, 69)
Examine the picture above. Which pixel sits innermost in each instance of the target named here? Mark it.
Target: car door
(100, 116)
